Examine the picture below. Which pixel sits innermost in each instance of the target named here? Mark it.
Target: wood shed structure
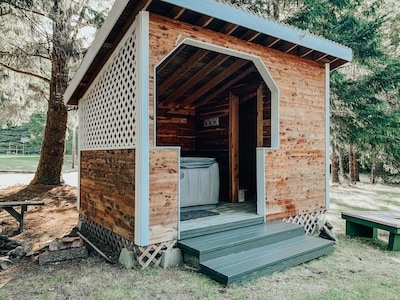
(171, 89)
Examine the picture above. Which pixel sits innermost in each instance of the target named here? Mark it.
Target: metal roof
(219, 16)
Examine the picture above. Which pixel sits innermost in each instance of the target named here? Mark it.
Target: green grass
(27, 163)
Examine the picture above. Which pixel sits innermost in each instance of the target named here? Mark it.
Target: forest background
(43, 42)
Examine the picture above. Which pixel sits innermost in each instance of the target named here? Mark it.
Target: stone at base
(171, 258)
(127, 258)
(62, 255)
(5, 263)
(18, 252)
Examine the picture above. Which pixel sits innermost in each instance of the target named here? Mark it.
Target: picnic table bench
(367, 223)
(19, 216)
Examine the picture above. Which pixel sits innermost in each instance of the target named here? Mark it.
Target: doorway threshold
(230, 216)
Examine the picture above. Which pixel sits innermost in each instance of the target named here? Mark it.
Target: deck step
(265, 260)
(245, 253)
(236, 240)
(186, 234)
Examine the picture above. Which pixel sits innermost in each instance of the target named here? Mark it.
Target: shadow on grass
(370, 242)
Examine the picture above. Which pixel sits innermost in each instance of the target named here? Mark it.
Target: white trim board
(142, 160)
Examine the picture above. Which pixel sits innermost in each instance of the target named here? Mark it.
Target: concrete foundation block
(127, 258)
(171, 258)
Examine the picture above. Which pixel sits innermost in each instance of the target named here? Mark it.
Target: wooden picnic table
(367, 223)
(19, 216)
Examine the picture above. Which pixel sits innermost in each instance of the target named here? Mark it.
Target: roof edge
(219, 9)
(228, 12)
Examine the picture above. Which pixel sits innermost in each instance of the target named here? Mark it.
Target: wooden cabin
(171, 82)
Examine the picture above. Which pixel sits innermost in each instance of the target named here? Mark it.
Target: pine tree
(49, 47)
(364, 94)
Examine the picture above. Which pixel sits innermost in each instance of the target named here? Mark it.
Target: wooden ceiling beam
(309, 51)
(269, 45)
(248, 88)
(217, 61)
(204, 21)
(229, 28)
(186, 66)
(169, 59)
(247, 97)
(250, 35)
(215, 81)
(291, 48)
(177, 12)
(226, 86)
(321, 57)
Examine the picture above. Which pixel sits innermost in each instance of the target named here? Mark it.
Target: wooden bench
(367, 223)
(19, 216)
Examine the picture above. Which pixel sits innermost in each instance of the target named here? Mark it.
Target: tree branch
(4, 53)
(25, 73)
(21, 8)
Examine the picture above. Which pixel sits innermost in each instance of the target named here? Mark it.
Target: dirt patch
(42, 224)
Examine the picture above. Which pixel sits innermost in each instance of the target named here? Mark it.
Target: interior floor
(228, 213)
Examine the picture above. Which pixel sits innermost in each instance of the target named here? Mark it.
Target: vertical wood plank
(260, 112)
(233, 147)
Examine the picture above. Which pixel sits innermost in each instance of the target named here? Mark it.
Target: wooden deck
(367, 223)
(243, 254)
(231, 216)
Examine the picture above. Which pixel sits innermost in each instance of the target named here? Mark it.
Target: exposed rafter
(226, 86)
(204, 21)
(238, 64)
(193, 60)
(195, 79)
(177, 12)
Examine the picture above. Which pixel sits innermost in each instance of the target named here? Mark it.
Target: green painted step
(220, 227)
(265, 260)
(232, 241)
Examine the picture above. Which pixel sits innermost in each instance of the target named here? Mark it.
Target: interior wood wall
(107, 189)
(214, 137)
(176, 127)
(295, 174)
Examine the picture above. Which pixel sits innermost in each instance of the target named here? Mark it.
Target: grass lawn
(27, 163)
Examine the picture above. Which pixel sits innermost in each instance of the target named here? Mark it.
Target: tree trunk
(356, 167)
(342, 170)
(373, 169)
(353, 165)
(334, 167)
(49, 170)
(373, 172)
(275, 7)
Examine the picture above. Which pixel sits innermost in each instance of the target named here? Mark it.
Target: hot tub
(199, 181)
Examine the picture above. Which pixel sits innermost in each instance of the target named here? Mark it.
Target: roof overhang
(214, 15)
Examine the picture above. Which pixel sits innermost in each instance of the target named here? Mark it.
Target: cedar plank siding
(291, 170)
(164, 183)
(107, 189)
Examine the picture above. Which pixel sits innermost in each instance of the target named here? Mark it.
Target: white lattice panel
(310, 221)
(107, 112)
